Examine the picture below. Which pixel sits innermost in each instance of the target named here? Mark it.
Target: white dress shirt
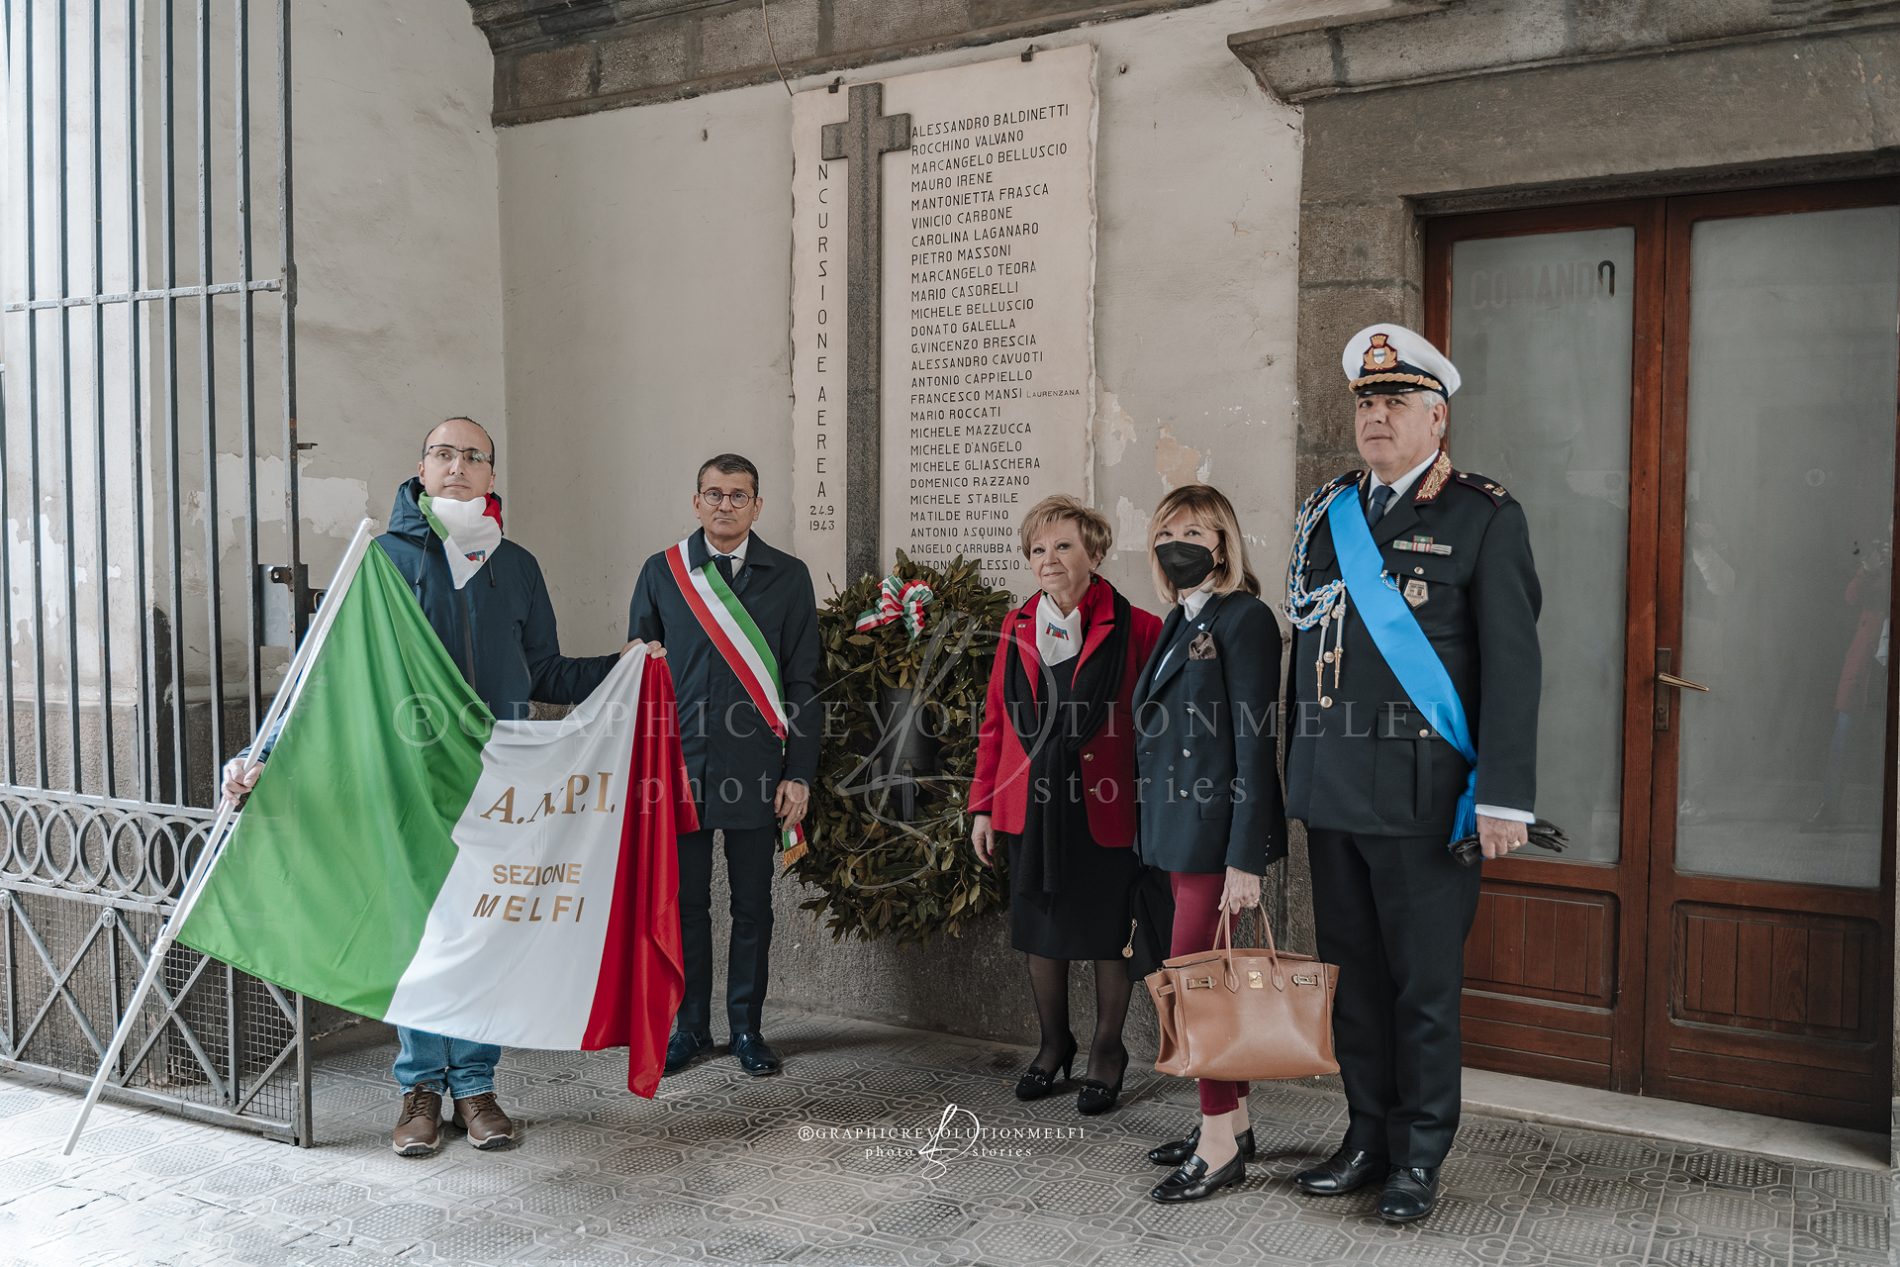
(1191, 604)
(737, 553)
(1400, 487)
(1403, 483)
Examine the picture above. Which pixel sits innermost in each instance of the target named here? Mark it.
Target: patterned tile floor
(723, 1168)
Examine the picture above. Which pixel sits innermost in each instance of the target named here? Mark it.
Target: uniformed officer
(1413, 689)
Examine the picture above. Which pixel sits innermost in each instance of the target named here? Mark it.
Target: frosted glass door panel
(1787, 553)
(1541, 327)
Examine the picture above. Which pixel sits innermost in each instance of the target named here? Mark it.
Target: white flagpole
(285, 699)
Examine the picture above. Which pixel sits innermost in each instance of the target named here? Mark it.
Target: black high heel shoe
(1177, 1151)
(1036, 1083)
(1097, 1096)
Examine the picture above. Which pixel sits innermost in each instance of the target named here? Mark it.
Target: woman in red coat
(1055, 787)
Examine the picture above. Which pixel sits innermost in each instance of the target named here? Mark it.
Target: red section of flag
(642, 977)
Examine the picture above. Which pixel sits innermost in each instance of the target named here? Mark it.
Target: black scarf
(1054, 727)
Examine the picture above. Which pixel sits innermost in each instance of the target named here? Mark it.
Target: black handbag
(1150, 921)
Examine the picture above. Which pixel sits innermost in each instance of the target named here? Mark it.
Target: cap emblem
(1381, 355)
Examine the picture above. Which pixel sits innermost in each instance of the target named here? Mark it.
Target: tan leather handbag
(1244, 1015)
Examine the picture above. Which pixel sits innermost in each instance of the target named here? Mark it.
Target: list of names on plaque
(988, 299)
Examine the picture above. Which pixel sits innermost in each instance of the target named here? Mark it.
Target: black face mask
(1185, 564)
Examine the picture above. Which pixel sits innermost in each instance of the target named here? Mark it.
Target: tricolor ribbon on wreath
(740, 643)
(899, 599)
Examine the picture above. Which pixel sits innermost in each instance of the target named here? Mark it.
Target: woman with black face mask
(1212, 815)
(1054, 788)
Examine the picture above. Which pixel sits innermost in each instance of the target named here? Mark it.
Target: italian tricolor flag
(410, 858)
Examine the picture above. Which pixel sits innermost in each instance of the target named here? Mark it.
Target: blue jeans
(430, 1060)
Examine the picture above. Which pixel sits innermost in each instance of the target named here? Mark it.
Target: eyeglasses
(713, 497)
(446, 453)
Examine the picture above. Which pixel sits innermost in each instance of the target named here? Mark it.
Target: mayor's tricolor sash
(1409, 653)
(742, 645)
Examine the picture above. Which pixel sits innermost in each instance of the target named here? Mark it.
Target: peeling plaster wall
(646, 265)
(399, 247)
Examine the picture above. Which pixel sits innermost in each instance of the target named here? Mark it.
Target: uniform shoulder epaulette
(1482, 484)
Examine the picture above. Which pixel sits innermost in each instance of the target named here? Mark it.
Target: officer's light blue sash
(1406, 649)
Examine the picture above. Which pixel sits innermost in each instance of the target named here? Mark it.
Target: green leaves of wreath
(878, 874)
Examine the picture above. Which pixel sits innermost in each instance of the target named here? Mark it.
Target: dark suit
(1378, 789)
(734, 761)
(1205, 728)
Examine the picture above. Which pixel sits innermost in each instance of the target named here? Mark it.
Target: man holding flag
(485, 599)
(741, 624)
(1414, 689)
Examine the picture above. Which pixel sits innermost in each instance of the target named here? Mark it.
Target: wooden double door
(1695, 400)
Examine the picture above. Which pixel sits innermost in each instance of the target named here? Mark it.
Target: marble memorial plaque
(987, 333)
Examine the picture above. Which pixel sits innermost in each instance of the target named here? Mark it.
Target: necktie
(724, 563)
(1381, 498)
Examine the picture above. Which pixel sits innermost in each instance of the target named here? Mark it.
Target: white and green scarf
(470, 531)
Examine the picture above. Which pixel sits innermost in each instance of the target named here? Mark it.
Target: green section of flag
(327, 881)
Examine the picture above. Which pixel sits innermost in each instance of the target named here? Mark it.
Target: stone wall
(563, 57)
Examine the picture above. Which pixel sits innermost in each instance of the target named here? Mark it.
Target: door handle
(1665, 661)
(1670, 679)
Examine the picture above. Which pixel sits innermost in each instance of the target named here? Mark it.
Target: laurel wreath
(877, 875)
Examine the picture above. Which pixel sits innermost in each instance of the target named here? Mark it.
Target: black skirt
(1087, 918)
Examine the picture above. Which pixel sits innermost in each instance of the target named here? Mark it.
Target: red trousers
(1196, 917)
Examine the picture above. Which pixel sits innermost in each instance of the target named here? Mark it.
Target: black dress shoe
(1177, 1151)
(1410, 1194)
(1192, 1180)
(1347, 1170)
(1097, 1096)
(1036, 1083)
(755, 1057)
(683, 1049)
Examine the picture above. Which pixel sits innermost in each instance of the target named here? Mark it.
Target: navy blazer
(1206, 727)
(733, 759)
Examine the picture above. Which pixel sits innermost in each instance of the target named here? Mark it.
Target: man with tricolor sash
(1413, 694)
(740, 624)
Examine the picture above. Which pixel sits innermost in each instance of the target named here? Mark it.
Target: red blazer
(1001, 786)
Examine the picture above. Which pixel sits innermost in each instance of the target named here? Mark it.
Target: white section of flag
(539, 953)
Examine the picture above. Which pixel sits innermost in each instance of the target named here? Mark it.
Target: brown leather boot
(419, 1130)
(486, 1124)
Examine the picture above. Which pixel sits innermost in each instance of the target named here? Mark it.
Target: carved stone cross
(862, 140)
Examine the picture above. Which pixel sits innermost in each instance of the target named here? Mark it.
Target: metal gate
(150, 582)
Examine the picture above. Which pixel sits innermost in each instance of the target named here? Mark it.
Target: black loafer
(755, 1057)
(683, 1049)
(1347, 1170)
(1177, 1151)
(1193, 1181)
(1410, 1194)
